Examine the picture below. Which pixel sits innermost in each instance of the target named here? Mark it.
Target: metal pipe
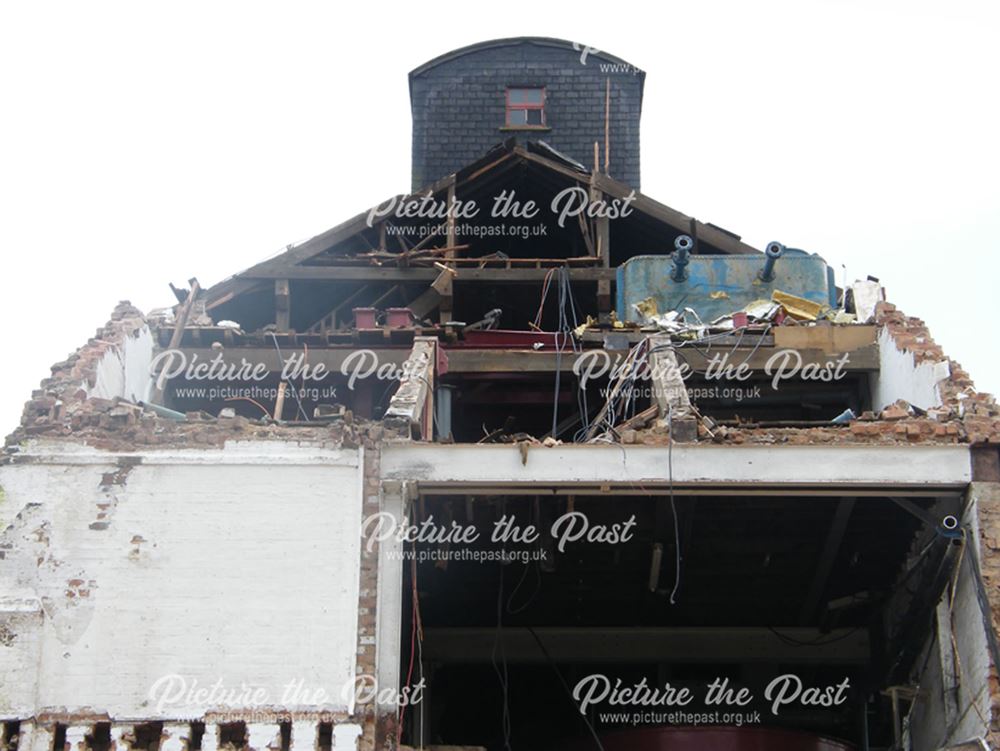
(442, 404)
(773, 252)
(682, 257)
(164, 412)
(655, 564)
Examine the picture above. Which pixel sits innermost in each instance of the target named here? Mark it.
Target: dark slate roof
(515, 41)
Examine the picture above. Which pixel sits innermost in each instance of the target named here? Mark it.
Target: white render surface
(124, 370)
(899, 377)
(241, 566)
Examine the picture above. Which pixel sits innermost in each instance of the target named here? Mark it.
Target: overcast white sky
(144, 143)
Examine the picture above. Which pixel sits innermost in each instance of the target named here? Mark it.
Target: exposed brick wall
(459, 108)
(62, 397)
(965, 415)
(367, 592)
(987, 496)
(62, 408)
(61, 411)
(977, 412)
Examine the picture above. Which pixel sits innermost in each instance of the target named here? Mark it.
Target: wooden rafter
(288, 265)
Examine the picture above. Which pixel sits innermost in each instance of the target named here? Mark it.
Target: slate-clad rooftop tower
(552, 90)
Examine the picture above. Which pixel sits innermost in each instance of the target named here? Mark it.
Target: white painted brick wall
(931, 727)
(220, 569)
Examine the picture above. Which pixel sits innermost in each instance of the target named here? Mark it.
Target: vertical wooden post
(602, 232)
(282, 305)
(450, 243)
(183, 312)
(447, 288)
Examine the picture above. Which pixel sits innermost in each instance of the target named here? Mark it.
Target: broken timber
(412, 406)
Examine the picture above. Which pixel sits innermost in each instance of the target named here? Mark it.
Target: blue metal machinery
(718, 285)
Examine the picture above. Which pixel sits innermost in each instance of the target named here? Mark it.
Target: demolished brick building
(777, 475)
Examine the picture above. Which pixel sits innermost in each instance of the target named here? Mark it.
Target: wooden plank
(640, 420)
(289, 259)
(834, 538)
(381, 299)
(444, 285)
(462, 360)
(486, 168)
(603, 249)
(183, 313)
(322, 242)
(332, 358)
(413, 403)
(426, 301)
(416, 275)
(450, 238)
(604, 300)
(602, 230)
(643, 203)
(221, 301)
(282, 305)
(719, 341)
(587, 240)
(507, 263)
(551, 164)
(505, 360)
(227, 290)
(329, 321)
(679, 221)
(286, 265)
(825, 338)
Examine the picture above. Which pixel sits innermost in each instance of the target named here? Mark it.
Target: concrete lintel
(647, 467)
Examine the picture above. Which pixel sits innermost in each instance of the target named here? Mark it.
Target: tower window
(525, 107)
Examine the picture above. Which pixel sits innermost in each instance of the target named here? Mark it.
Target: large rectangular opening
(786, 619)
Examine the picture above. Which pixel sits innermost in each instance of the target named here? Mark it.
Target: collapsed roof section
(386, 256)
(629, 323)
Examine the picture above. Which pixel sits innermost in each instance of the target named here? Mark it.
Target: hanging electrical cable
(565, 336)
(565, 686)
(416, 631)
(673, 507)
(501, 668)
